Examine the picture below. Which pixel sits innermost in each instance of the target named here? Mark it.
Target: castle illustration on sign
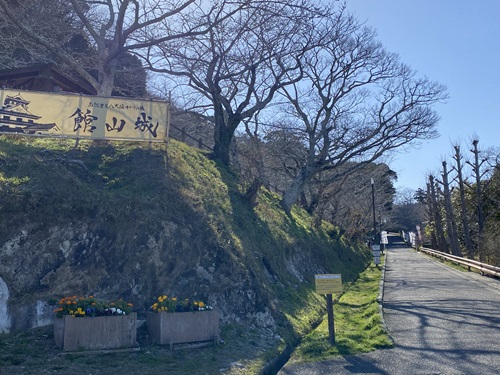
(78, 116)
(16, 118)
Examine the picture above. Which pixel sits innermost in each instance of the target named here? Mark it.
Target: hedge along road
(442, 321)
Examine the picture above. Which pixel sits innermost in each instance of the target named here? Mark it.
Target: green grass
(121, 189)
(358, 323)
(244, 351)
(358, 329)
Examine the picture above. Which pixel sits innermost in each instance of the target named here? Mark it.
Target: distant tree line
(300, 88)
(463, 204)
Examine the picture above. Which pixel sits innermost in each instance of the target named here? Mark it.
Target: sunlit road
(443, 321)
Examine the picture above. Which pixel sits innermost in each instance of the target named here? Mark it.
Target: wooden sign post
(329, 284)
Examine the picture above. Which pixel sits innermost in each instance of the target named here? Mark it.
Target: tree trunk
(261, 170)
(223, 135)
(106, 80)
(463, 206)
(479, 199)
(450, 217)
(430, 214)
(293, 192)
(252, 192)
(438, 221)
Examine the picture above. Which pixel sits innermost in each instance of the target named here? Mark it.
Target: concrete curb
(380, 299)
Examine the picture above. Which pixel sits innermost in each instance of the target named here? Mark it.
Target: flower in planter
(164, 303)
(91, 307)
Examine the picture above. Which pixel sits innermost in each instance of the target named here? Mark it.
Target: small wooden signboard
(328, 284)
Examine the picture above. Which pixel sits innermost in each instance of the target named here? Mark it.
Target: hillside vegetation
(123, 220)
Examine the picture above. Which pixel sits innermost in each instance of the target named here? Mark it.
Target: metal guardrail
(482, 267)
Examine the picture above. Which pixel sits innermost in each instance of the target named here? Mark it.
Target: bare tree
(347, 202)
(431, 227)
(482, 169)
(112, 28)
(436, 214)
(284, 151)
(478, 174)
(53, 17)
(451, 226)
(407, 212)
(355, 103)
(235, 70)
(492, 226)
(463, 204)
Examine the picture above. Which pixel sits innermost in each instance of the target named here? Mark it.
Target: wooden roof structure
(43, 77)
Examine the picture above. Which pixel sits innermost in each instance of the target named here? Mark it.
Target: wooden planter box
(99, 333)
(185, 327)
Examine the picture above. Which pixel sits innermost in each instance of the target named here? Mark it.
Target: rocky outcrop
(120, 225)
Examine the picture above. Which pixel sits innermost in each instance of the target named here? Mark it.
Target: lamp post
(374, 218)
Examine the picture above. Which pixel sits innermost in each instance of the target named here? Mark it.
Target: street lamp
(374, 218)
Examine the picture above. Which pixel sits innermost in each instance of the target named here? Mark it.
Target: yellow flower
(201, 304)
(79, 311)
(174, 299)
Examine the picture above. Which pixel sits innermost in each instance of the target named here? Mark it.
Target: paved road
(443, 321)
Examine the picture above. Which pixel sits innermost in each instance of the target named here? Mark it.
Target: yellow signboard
(328, 284)
(80, 116)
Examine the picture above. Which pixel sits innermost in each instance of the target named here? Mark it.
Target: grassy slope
(93, 180)
(358, 323)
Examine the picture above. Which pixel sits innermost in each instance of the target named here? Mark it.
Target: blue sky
(456, 43)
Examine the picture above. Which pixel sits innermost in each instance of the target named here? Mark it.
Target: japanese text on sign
(78, 116)
(328, 284)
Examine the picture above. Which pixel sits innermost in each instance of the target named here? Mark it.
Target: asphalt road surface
(442, 321)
